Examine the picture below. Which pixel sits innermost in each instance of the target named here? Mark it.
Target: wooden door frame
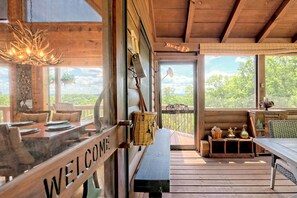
(194, 62)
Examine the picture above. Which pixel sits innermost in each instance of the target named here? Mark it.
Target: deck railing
(4, 113)
(179, 119)
(87, 112)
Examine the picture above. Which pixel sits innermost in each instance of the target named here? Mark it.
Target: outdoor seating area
(157, 98)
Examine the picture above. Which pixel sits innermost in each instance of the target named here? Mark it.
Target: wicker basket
(144, 128)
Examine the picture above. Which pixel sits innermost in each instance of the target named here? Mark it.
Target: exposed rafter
(96, 5)
(294, 39)
(281, 11)
(153, 19)
(232, 19)
(190, 20)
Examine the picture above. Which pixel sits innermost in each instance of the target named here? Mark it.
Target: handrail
(181, 120)
(4, 113)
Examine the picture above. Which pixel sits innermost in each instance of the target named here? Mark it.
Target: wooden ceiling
(191, 22)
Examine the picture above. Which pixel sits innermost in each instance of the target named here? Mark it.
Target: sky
(87, 81)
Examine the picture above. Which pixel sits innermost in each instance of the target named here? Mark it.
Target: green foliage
(232, 91)
(4, 100)
(168, 96)
(77, 99)
(281, 80)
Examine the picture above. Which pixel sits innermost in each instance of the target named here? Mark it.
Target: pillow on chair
(22, 153)
(40, 117)
(71, 117)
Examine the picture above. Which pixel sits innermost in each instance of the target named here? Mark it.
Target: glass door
(177, 103)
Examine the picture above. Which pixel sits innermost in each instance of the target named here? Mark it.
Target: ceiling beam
(96, 5)
(153, 19)
(281, 11)
(294, 39)
(190, 20)
(232, 19)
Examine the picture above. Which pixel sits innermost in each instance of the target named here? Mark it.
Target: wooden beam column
(15, 10)
(261, 85)
(39, 88)
(200, 102)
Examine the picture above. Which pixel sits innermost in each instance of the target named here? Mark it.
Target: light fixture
(28, 47)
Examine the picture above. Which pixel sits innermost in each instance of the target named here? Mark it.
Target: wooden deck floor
(179, 138)
(193, 177)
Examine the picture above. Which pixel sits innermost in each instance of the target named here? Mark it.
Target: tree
(281, 80)
(232, 91)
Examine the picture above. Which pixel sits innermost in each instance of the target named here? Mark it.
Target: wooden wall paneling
(200, 103)
(143, 13)
(225, 119)
(81, 62)
(81, 44)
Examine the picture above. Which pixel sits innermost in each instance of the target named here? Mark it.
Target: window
(230, 82)
(61, 11)
(78, 86)
(4, 94)
(3, 10)
(281, 80)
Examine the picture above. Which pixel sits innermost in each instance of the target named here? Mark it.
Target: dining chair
(282, 129)
(63, 106)
(35, 116)
(15, 158)
(71, 116)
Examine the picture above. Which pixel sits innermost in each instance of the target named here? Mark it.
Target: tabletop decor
(216, 132)
(266, 103)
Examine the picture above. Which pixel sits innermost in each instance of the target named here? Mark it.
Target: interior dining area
(155, 98)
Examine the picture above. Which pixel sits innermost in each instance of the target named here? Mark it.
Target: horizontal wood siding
(225, 119)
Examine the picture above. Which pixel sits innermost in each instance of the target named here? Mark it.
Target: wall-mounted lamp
(169, 73)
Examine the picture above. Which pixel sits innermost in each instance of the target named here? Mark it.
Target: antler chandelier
(29, 48)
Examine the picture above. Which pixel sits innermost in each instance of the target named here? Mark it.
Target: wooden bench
(153, 174)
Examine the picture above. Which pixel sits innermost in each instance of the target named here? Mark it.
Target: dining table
(49, 139)
(284, 148)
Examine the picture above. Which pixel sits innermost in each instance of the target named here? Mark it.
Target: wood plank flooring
(193, 176)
